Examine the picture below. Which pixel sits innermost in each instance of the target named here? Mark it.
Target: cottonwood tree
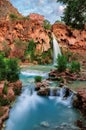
(74, 13)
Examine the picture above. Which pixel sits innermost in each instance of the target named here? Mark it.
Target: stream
(33, 112)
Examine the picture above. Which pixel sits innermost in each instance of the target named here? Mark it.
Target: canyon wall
(71, 39)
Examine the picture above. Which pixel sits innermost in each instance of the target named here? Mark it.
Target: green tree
(2, 68)
(61, 63)
(31, 49)
(74, 13)
(9, 69)
(12, 70)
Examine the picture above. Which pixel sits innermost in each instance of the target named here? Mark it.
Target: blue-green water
(32, 112)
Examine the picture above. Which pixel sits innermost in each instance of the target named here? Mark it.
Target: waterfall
(56, 49)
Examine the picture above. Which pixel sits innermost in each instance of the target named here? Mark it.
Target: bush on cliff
(9, 69)
(13, 16)
(5, 89)
(31, 49)
(47, 24)
(2, 68)
(12, 70)
(4, 101)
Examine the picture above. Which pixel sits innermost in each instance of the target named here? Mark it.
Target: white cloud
(49, 8)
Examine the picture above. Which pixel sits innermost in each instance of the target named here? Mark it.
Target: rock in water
(44, 124)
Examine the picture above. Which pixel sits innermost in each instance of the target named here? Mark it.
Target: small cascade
(63, 95)
(51, 92)
(66, 96)
(56, 49)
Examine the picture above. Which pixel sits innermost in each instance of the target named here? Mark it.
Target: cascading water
(66, 96)
(62, 95)
(33, 112)
(56, 49)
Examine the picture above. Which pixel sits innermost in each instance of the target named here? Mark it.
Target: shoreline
(11, 96)
(26, 65)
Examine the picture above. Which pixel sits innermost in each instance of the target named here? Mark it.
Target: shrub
(5, 89)
(4, 101)
(74, 67)
(47, 25)
(2, 68)
(31, 49)
(61, 63)
(13, 16)
(38, 79)
(17, 91)
(9, 69)
(13, 70)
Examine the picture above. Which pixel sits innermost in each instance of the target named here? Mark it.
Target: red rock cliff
(72, 39)
(6, 9)
(24, 30)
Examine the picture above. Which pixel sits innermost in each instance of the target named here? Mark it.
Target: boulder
(43, 92)
(44, 124)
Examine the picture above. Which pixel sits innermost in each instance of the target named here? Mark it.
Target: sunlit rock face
(38, 17)
(22, 29)
(25, 30)
(6, 9)
(71, 39)
(74, 39)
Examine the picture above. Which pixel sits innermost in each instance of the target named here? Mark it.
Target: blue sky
(49, 8)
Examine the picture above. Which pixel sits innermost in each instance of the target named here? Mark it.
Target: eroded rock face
(74, 39)
(25, 30)
(82, 93)
(71, 39)
(38, 17)
(6, 9)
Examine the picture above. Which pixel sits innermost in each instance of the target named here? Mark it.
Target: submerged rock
(44, 124)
